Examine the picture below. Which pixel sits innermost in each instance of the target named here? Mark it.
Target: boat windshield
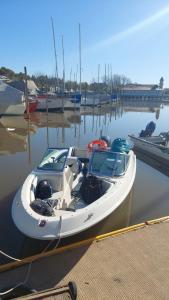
(108, 164)
(54, 160)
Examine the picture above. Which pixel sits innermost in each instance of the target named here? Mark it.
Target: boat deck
(132, 265)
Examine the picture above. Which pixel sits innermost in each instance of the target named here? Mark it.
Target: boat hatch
(54, 160)
(108, 164)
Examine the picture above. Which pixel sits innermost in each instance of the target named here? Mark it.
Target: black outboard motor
(149, 130)
(107, 139)
(90, 189)
(43, 190)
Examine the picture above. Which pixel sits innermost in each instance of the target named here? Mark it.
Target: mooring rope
(30, 264)
(9, 256)
(19, 284)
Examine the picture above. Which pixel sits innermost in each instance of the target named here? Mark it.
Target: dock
(130, 263)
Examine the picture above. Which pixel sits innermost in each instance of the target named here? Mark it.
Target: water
(23, 142)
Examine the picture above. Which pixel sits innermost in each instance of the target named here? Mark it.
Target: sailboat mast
(63, 54)
(80, 66)
(106, 79)
(98, 74)
(70, 79)
(111, 80)
(56, 65)
(98, 80)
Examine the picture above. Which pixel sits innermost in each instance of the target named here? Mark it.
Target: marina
(26, 139)
(84, 150)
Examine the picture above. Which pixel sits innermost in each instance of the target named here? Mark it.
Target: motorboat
(58, 101)
(153, 146)
(12, 101)
(147, 138)
(72, 189)
(95, 99)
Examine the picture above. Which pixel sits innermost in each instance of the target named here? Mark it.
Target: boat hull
(32, 106)
(70, 223)
(13, 110)
(56, 104)
(159, 153)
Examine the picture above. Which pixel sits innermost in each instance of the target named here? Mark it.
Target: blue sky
(132, 36)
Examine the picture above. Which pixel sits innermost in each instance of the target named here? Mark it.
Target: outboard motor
(107, 139)
(90, 189)
(149, 130)
(43, 190)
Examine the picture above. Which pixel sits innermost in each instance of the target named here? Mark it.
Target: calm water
(22, 144)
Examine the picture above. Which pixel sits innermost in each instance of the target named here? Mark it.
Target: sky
(131, 36)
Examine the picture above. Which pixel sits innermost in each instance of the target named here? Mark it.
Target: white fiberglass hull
(67, 223)
(159, 152)
(55, 104)
(95, 100)
(13, 110)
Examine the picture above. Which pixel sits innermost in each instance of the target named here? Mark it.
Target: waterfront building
(141, 92)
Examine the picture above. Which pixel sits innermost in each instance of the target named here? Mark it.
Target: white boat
(95, 99)
(54, 102)
(71, 190)
(155, 147)
(11, 100)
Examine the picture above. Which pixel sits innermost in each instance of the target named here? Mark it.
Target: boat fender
(97, 144)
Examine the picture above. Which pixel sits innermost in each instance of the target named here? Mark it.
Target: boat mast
(70, 79)
(63, 55)
(98, 81)
(26, 91)
(56, 65)
(105, 79)
(80, 66)
(111, 80)
(108, 78)
(76, 77)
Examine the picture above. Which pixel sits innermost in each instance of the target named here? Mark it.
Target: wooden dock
(132, 263)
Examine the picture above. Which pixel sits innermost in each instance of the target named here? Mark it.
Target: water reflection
(23, 142)
(14, 134)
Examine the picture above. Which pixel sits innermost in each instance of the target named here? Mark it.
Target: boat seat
(73, 163)
(57, 196)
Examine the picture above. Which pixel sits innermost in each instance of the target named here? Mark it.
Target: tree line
(45, 82)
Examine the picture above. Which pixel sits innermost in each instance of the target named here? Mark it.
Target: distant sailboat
(61, 99)
(12, 101)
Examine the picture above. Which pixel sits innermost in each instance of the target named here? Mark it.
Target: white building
(141, 91)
